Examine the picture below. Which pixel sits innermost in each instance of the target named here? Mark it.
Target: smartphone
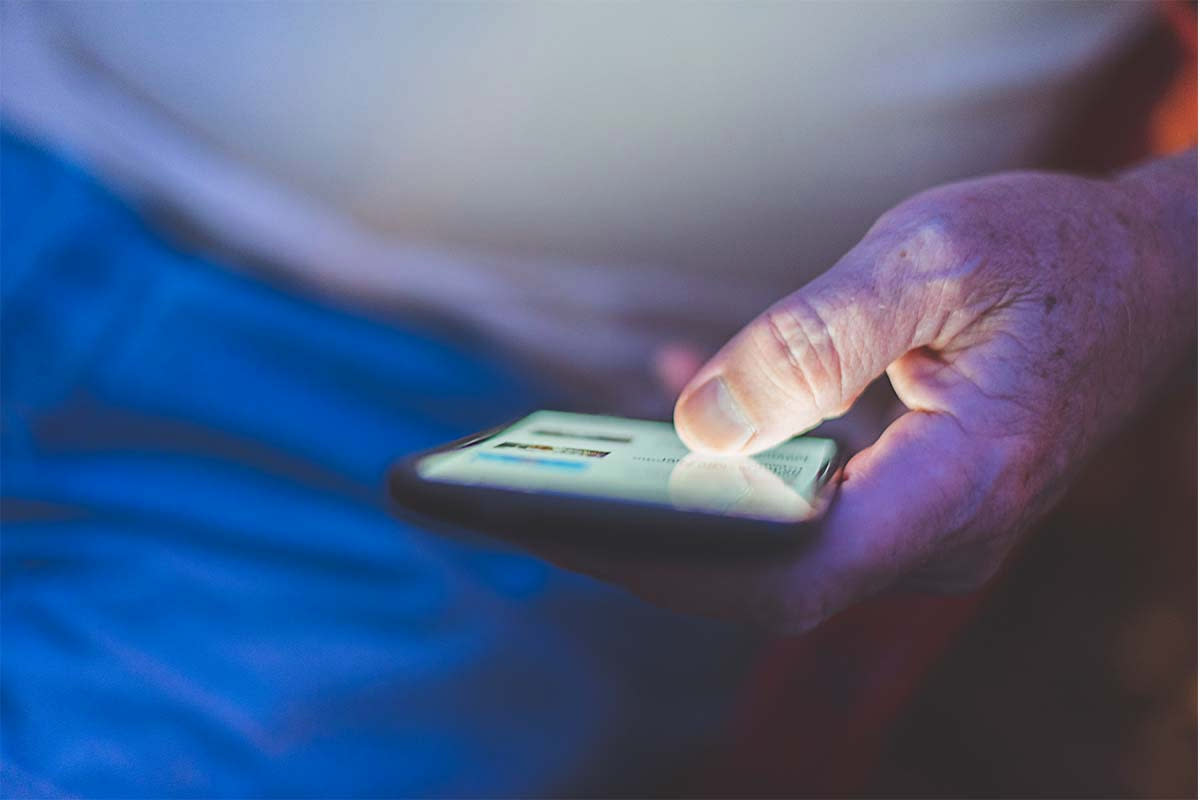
(612, 482)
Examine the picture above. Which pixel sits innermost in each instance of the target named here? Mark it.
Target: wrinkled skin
(1021, 319)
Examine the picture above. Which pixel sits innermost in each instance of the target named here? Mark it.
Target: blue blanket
(203, 592)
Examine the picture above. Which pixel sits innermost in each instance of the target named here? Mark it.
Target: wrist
(1160, 196)
(1163, 192)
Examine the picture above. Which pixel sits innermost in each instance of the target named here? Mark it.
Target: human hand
(1021, 319)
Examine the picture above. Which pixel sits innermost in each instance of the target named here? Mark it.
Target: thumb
(810, 355)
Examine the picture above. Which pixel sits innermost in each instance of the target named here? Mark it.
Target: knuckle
(927, 245)
(981, 575)
(791, 607)
(929, 227)
(935, 260)
(792, 617)
(821, 598)
(965, 577)
(946, 260)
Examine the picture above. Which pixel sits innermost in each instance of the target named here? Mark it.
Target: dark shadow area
(1078, 677)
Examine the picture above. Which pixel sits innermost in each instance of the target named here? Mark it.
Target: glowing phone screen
(640, 461)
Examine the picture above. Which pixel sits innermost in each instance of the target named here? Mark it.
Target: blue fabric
(203, 592)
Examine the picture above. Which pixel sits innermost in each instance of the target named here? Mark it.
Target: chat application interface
(642, 461)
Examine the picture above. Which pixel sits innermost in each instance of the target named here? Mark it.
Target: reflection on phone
(737, 486)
